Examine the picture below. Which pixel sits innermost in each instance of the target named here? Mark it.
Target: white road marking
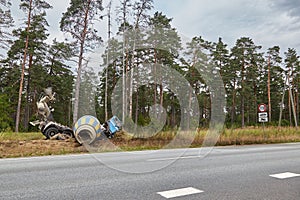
(285, 175)
(179, 192)
(175, 158)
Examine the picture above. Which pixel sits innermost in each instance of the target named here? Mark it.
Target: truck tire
(51, 132)
(67, 134)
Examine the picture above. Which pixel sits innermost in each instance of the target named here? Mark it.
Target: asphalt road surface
(242, 172)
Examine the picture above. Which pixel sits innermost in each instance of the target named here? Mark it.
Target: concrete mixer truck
(86, 130)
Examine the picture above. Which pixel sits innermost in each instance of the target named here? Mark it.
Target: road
(241, 172)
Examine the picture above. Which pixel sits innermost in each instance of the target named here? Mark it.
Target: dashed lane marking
(175, 158)
(285, 175)
(179, 192)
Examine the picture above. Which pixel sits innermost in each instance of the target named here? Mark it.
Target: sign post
(262, 113)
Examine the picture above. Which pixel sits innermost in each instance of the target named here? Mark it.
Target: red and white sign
(262, 107)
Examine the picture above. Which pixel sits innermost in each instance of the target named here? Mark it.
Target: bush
(5, 110)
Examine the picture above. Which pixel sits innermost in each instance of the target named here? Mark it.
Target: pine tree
(123, 11)
(197, 60)
(220, 58)
(107, 59)
(140, 9)
(165, 45)
(246, 57)
(78, 22)
(113, 71)
(275, 81)
(292, 65)
(35, 28)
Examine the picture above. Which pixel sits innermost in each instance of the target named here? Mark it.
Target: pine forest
(140, 41)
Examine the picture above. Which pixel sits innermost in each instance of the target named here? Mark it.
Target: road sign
(263, 117)
(262, 107)
(263, 120)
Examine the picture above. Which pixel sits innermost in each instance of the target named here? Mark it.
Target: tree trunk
(248, 114)
(108, 60)
(269, 90)
(290, 109)
(79, 70)
(124, 63)
(243, 96)
(131, 91)
(136, 108)
(23, 70)
(173, 122)
(233, 105)
(27, 107)
(154, 75)
(243, 111)
(189, 109)
(255, 104)
(161, 94)
(297, 105)
(137, 98)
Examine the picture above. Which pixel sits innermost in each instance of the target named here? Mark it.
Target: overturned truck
(86, 130)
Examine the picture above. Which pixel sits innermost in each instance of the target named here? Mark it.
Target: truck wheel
(67, 134)
(50, 132)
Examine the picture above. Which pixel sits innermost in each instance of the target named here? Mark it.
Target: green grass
(20, 136)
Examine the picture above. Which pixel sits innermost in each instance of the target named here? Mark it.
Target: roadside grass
(246, 136)
(20, 136)
(34, 144)
(254, 135)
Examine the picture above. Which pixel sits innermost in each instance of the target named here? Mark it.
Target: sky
(267, 22)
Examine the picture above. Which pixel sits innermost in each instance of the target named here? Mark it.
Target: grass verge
(34, 144)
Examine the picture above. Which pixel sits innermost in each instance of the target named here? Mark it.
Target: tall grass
(250, 135)
(258, 135)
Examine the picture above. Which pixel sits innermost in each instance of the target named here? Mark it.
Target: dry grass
(33, 144)
(251, 135)
(259, 136)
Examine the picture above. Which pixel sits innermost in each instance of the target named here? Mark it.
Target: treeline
(250, 76)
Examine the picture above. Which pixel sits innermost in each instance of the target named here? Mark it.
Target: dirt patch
(9, 149)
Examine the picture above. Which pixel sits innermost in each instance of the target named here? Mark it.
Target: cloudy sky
(267, 22)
